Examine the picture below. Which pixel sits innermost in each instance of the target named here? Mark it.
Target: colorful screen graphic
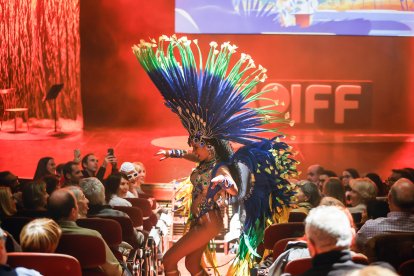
(321, 17)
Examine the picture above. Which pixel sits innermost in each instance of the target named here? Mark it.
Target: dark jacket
(332, 263)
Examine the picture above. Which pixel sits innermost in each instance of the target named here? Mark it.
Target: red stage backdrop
(333, 82)
(40, 47)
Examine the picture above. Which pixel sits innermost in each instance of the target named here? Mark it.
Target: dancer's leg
(196, 238)
(193, 261)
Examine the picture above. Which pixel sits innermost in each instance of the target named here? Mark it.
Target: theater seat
(280, 246)
(109, 229)
(89, 250)
(14, 225)
(48, 264)
(134, 213)
(276, 232)
(297, 217)
(406, 268)
(393, 248)
(299, 266)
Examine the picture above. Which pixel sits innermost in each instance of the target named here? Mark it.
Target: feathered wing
(264, 194)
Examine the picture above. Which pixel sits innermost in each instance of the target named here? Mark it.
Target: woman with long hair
(7, 203)
(45, 166)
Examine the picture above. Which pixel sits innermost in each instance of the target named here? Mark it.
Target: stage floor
(334, 150)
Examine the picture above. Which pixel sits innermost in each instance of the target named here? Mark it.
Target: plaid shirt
(394, 222)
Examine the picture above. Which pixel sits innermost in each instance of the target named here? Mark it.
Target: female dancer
(213, 100)
(211, 181)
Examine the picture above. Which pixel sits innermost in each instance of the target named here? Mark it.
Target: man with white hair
(329, 234)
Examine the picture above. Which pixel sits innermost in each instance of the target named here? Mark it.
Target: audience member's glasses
(132, 175)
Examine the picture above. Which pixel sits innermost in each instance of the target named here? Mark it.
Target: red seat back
(109, 229)
(133, 212)
(297, 217)
(393, 248)
(89, 250)
(406, 268)
(128, 231)
(276, 232)
(142, 204)
(48, 264)
(280, 246)
(299, 266)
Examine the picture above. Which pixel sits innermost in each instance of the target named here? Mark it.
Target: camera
(111, 152)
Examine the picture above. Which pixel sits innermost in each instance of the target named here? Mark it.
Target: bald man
(313, 173)
(399, 219)
(64, 210)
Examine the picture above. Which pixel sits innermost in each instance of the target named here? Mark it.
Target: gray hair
(94, 190)
(76, 191)
(329, 227)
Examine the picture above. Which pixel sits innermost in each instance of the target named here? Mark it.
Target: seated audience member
(7, 270)
(399, 219)
(81, 200)
(52, 183)
(95, 193)
(8, 179)
(142, 173)
(40, 235)
(381, 187)
(72, 174)
(129, 170)
(314, 172)
(45, 166)
(324, 176)
(64, 210)
(331, 201)
(347, 175)
(34, 197)
(7, 204)
(59, 170)
(329, 234)
(116, 188)
(375, 209)
(307, 196)
(362, 190)
(90, 166)
(397, 174)
(333, 188)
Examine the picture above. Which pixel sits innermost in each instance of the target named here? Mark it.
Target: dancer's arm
(174, 153)
(224, 179)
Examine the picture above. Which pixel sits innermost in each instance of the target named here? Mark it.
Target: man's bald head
(61, 204)
(401, 196)
(313, 173)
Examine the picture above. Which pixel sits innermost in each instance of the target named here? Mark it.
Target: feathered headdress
(212, 101)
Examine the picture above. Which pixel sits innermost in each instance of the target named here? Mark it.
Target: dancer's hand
(164, 154)
(220, 180)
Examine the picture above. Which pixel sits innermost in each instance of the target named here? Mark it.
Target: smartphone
(111, 152)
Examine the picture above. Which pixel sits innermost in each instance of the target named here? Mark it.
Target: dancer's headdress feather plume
(214, 100)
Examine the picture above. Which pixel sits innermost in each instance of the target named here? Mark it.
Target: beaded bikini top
(201, 179)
